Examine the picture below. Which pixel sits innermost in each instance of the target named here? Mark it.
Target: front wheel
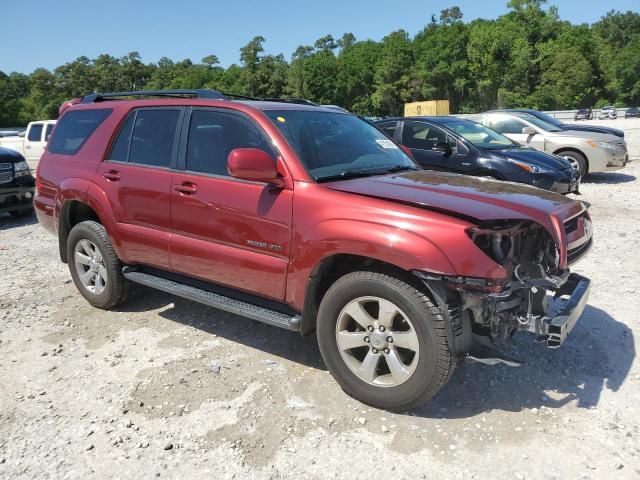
(576, 159)
(383, 340)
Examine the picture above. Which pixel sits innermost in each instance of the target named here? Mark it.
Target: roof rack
(298, 101)
(209, 94)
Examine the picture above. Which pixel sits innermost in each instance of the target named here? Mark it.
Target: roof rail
(298, 101)
(209, 94)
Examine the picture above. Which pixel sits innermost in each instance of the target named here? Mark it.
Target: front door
(232, 232)
(137, 181)
(432, 147)
(511, 127)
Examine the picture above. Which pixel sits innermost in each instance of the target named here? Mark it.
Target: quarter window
(35, 133)
(212, 136)
(74, 128)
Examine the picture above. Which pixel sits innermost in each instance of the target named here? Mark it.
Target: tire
(423, 372)
(89, 249)
(583, 165)
(25, 212)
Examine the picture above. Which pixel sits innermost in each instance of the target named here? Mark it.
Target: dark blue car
(461, 146)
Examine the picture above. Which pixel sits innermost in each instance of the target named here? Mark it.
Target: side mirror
(529, 131)
(255, 165)
(442, 147)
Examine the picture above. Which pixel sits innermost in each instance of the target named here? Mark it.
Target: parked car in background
(17, 185)
(457, 145)
(545, 117)
(31, 145)
(591, 151)
(10, 133)
(608, 113)
(583, 114)
(633, 112)
(311, 220)
(337, 108)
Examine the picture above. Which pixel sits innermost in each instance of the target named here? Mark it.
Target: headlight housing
(605, 145)
(21, 169)
(527, 167)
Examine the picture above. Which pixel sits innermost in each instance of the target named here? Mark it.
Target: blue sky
(45, 33)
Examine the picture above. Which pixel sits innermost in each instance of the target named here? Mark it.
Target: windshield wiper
(345, 174)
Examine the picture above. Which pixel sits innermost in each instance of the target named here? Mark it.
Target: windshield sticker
(384, 143)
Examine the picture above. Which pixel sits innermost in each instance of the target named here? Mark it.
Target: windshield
(539, 123)
(335, 145)
(545, 117)
(479, 135)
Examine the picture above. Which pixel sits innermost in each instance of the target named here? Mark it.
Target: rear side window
(388, 128)
(35, 133)
(74, 128)
(48, 132)
(153, 137)
(422, 136)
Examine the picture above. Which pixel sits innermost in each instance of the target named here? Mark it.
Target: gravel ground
(166, 388)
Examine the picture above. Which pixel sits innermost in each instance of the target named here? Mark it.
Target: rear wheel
(94, 266)
(383, 340)
(576, 159)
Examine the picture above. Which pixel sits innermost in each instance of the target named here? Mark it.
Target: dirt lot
(166, 388)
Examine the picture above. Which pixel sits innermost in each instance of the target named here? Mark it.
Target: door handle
(27, 147)
(112, 175)
(186, 188)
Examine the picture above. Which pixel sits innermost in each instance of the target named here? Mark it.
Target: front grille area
(6, 177)
(575, 254)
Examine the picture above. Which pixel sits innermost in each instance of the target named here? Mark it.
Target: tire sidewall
(386, 397)
(582, 161)
(87, 230)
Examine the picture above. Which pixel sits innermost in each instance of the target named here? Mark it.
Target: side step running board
(215, 300)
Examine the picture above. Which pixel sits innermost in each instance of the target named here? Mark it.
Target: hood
(587, 135)
(593, 128)
(473, 198)
(533, 157)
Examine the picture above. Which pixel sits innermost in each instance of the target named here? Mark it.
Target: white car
(608, 112)
(589, 151)
(31, 145)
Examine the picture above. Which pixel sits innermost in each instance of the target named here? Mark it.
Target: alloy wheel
(90, 266)
(377, 341)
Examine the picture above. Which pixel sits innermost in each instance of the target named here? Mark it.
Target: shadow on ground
(597, 355)
(609, 178)
(7, 221)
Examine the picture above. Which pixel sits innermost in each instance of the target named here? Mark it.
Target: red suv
(312, 220)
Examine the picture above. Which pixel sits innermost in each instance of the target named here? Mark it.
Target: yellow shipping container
(426, 108)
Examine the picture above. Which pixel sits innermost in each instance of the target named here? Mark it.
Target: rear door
(136, 178)
(232, 232)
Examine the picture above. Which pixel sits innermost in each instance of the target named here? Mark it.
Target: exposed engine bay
(538, 296)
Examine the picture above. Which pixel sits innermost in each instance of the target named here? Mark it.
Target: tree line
(527, 57)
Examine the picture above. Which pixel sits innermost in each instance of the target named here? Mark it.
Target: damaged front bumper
(563, 313)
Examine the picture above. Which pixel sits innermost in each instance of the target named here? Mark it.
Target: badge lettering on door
(267, 246)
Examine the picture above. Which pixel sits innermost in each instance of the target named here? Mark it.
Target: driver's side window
(506, 125)
(422, 135)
